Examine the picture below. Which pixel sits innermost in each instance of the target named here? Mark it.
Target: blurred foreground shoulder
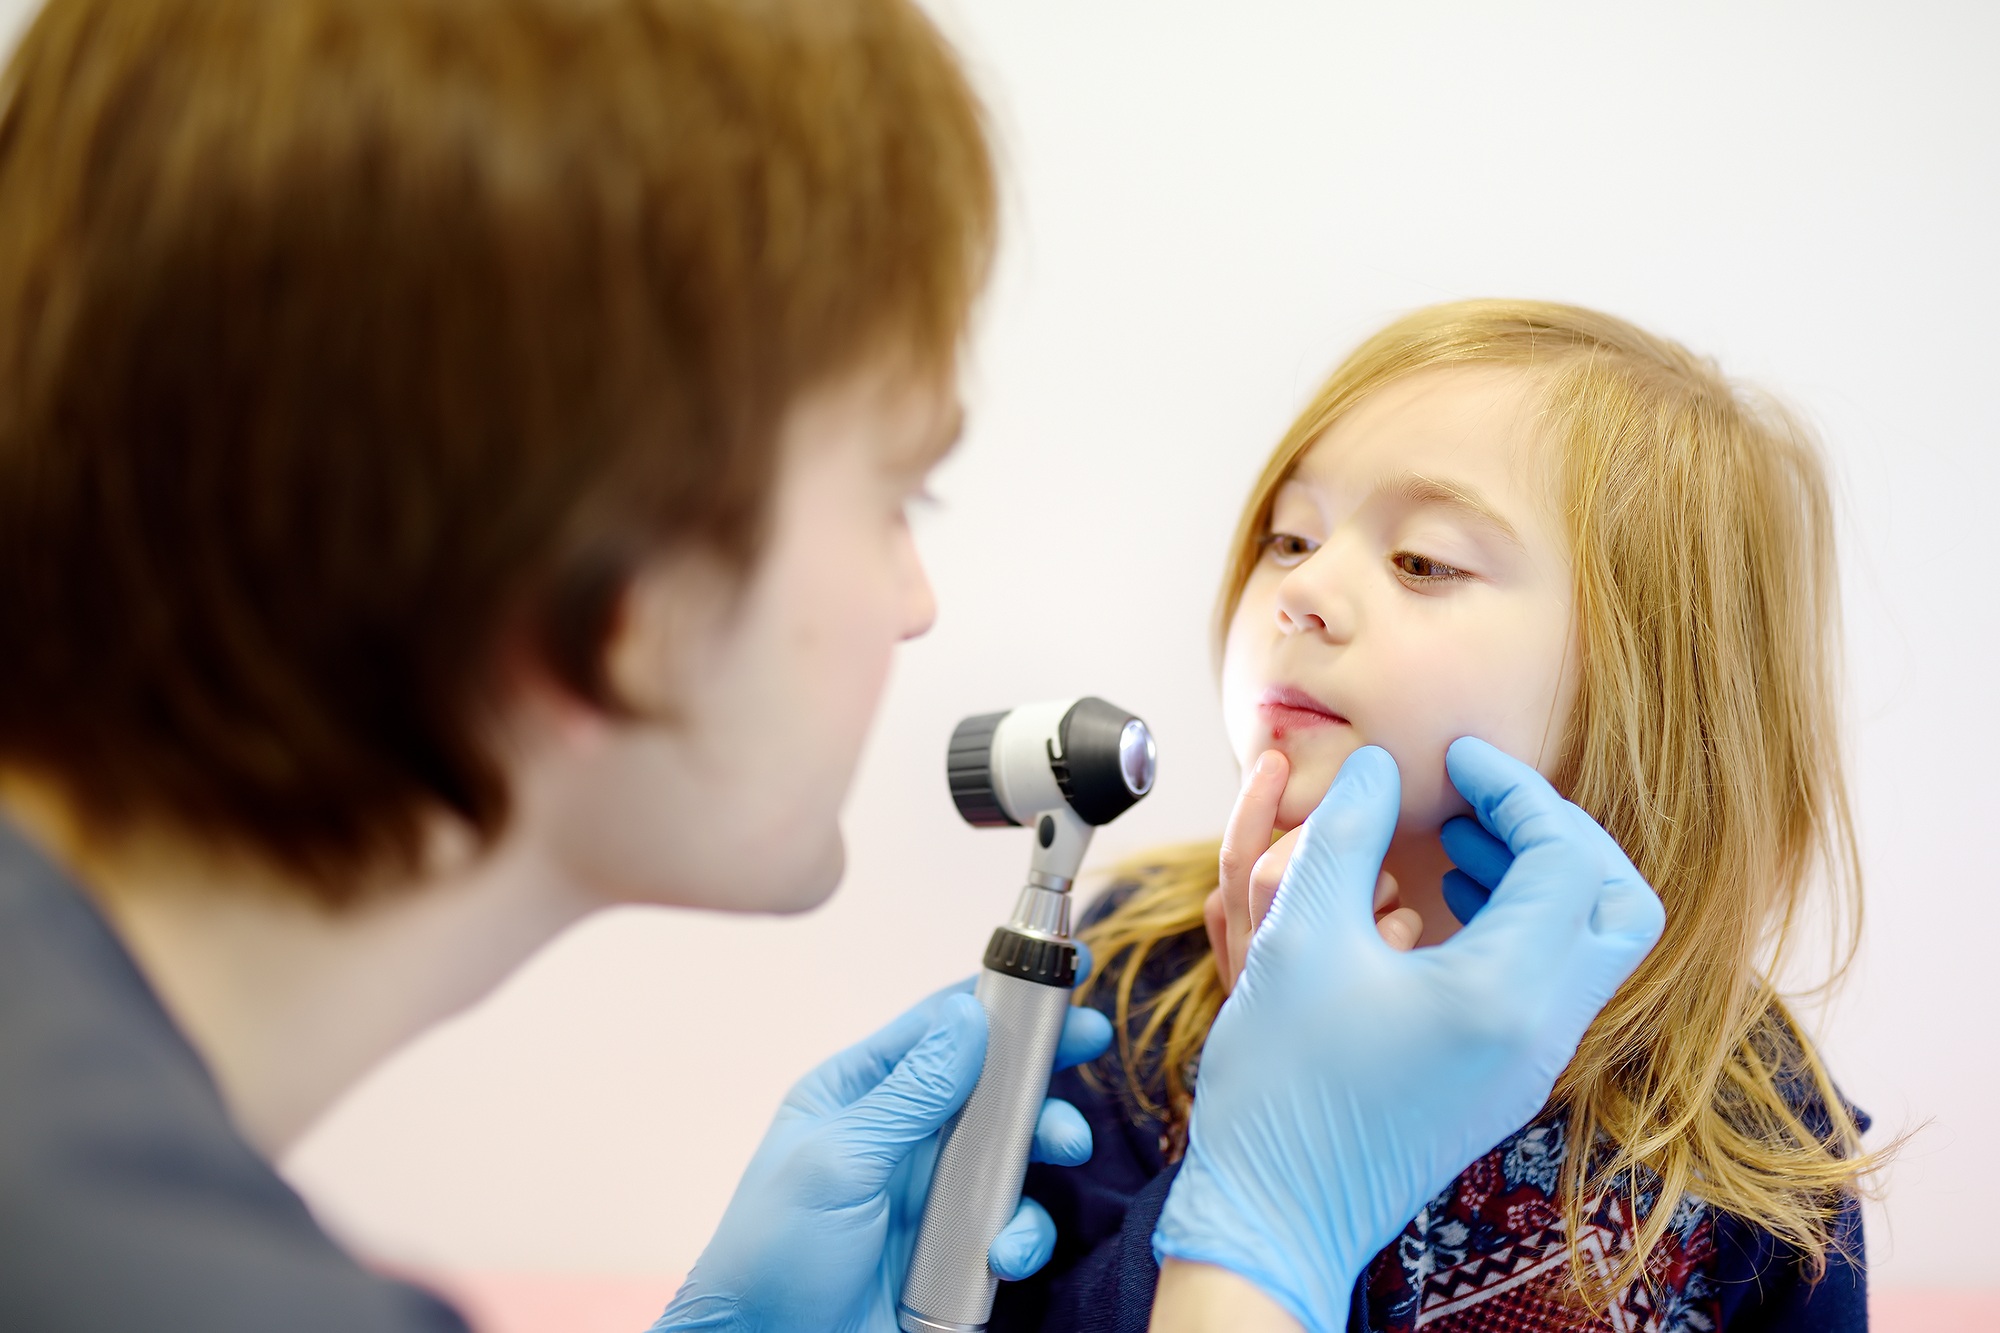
(127, 1197)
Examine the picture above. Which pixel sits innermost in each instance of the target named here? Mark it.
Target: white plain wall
(1209, 204)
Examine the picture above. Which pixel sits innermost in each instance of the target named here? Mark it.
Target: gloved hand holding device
(820, 1230)
(1344, 1083)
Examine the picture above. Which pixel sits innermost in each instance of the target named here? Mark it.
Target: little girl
(1544, 527)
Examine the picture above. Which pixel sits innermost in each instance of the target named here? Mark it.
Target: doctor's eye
(1420, 569)
(1287, 549)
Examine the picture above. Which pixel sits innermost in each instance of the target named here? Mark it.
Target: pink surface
(555, 1303)
(551, 1303)
(1920, 1311)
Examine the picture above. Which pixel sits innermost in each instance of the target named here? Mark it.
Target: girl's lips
(1289, 709)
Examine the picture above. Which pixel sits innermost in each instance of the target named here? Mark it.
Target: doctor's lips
(1286, 709)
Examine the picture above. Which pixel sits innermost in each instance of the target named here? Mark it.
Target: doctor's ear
(630, 652)
(667, 631)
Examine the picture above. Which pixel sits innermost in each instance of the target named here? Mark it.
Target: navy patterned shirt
(1488, 1255)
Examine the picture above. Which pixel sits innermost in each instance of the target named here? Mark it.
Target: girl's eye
(1286, 549)
(1414, 568)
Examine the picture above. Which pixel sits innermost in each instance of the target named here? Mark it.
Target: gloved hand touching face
(820, 1231)
(1252, 866)
(1345, 1082)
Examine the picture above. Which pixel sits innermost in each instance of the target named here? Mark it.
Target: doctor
(452, 467)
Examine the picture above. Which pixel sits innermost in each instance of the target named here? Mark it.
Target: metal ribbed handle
(983, 1158)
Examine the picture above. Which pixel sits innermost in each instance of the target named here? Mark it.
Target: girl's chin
(1314, 767)
(1423, 811)
(1299, 801)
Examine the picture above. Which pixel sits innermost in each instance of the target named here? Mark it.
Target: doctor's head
(433, 421)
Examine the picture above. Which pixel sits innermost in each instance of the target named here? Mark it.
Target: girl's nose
(1298, 621)
(1312, 601)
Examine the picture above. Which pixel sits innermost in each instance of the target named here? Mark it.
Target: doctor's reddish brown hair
(1705, 738)
(351, 349)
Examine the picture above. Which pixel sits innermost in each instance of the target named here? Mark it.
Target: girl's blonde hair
(1705, 738)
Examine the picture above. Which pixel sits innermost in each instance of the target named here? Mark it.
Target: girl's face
(1414, 587)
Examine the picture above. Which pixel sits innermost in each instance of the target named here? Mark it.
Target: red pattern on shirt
(1491, 1255)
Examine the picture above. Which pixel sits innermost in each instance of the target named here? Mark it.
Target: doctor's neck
(290, 1002)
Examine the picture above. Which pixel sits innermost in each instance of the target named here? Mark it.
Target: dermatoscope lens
(1137, 757)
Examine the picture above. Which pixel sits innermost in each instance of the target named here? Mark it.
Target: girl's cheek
(1429, 799)
(1505, 704)
(1524, 715)
(1244, 670)
(1426, 714)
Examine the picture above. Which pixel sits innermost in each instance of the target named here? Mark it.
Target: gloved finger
(1518, 805)
(1024, 1244)
(840, 1079)
(1510, 799)
(1062, 1135)
(1086, 1035)
(1475, 851)
(1558, 868)
(1464, 895)
(1086, 962)
(1628, 909)
(1330, 884)
(1569, 878)
(919, 1094)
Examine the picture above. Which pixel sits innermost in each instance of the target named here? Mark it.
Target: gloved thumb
(1627, 921)
(924, 1089)
(1024, 1244)
(1559, 861)
(1570, 900)
(1329, 884)
(1629, 916)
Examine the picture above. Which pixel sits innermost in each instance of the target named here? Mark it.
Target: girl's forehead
(1474, 430)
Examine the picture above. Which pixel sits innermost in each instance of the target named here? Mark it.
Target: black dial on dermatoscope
(1102, 758)
(968, 766)
(1108, 760)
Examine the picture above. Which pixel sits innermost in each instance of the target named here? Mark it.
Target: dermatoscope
(1060, 769)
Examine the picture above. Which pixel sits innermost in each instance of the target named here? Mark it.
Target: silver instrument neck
(1043, 907)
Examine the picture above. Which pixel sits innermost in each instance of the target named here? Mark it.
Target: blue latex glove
(820, 1231)
(1345, 1084)
(1481, 860)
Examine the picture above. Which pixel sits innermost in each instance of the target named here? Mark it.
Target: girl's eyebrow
(1413, 488)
